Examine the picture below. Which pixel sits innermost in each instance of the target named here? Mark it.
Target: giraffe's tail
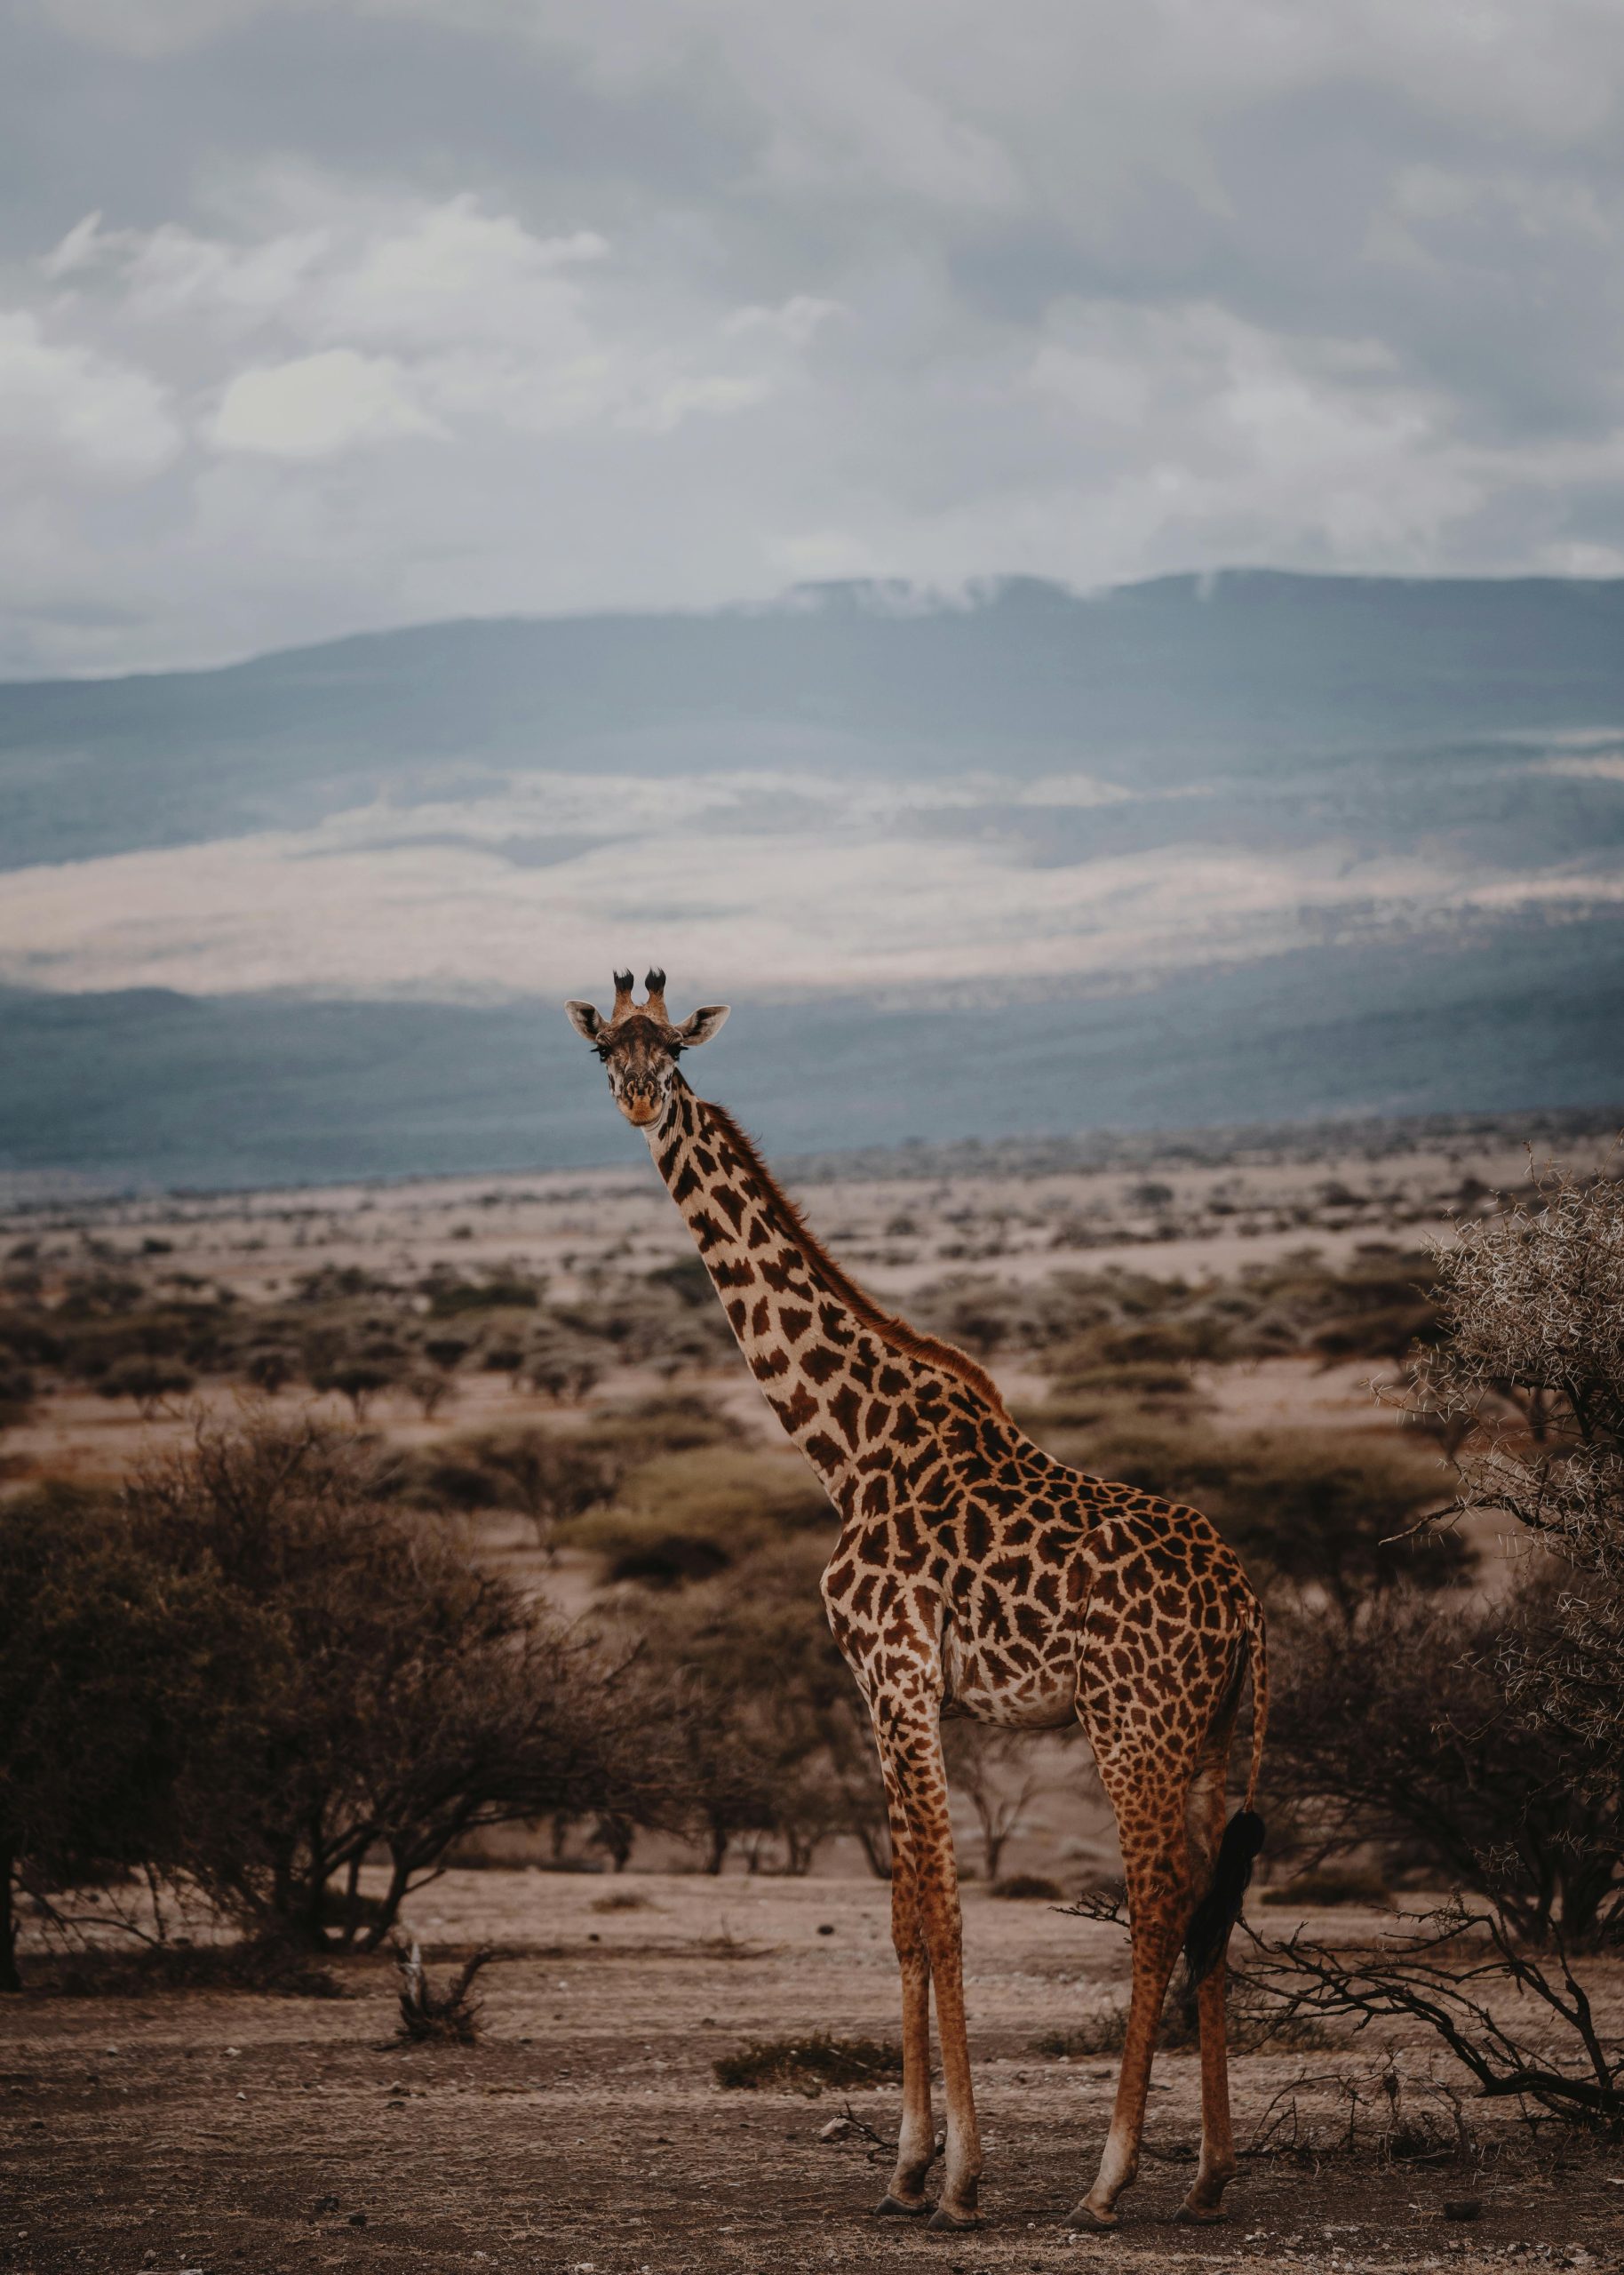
(1257, 1661)
(1207, 1936)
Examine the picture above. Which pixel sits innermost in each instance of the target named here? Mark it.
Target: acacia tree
(1000, 1774)
(110, 1662)
(767, 1720)
(1399, 1730)
(1529, 1371)
(1527, 1381)
(402, 1699)
(551, 1475)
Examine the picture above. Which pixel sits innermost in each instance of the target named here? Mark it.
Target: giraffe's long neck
(835, 1368)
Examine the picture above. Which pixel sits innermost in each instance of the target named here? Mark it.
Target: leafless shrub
(1257, 2024)
(1456, 1969)
(1399, 2119)
(448, 2017)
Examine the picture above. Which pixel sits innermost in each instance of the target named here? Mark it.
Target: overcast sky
(346, 314)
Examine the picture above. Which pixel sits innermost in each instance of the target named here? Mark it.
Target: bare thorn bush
(448, 2017)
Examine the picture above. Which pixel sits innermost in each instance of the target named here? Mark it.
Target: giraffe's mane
(891, 1329)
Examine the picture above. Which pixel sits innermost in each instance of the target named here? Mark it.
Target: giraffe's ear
(706, 1022)
(584, 1020)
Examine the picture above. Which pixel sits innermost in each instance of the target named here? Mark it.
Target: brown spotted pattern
(976, 1575)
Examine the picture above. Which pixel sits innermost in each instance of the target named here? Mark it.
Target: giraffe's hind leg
(1202, 2207)
(1149, 1810)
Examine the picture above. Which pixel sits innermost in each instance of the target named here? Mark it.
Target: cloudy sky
(319, 315)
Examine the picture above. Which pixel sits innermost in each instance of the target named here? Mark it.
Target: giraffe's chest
(1027, 1683)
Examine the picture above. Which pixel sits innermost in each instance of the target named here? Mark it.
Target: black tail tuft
(1207, 1936)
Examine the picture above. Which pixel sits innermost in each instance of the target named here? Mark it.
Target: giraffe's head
(640, 1047)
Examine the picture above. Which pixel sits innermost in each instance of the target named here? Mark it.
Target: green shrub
(148, 1381)
(689, 1514)
(456, 1299)
(1254, 2025)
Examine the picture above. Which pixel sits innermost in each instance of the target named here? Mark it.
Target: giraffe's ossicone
(975, 1574)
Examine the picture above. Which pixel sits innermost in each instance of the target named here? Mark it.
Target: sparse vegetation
(786, 1763)
(996, 1772)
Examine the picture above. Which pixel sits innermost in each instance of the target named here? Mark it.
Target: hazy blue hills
(1244, 672)
(1251, 847)
(160, 1089)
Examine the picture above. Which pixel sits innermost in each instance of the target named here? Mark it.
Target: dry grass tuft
(450, 2018)
(1027, 1888)
(808, 2064)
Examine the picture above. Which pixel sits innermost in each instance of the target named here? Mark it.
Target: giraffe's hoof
(944, 2223)
(892, 2208)
(1199, 2215)
(1088, 2221)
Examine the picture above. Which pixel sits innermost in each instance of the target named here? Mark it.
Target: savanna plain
(641, 2015)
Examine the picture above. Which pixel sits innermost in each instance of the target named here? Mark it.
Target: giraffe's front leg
(910, 1741)
(916, 2143)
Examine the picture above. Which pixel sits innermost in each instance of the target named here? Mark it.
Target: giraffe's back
(1033, 1591)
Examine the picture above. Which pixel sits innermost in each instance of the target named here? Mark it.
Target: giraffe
(974, 1575)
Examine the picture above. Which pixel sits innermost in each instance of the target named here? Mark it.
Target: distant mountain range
(1205, 850)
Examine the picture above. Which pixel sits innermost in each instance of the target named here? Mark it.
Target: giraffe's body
(974, 1574)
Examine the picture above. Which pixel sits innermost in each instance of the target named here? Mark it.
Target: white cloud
(455, 271)
(1258, 428)
(318, 404)
(1100, 289)
(69, 414)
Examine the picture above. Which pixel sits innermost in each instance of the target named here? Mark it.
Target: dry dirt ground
(585, 2131)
